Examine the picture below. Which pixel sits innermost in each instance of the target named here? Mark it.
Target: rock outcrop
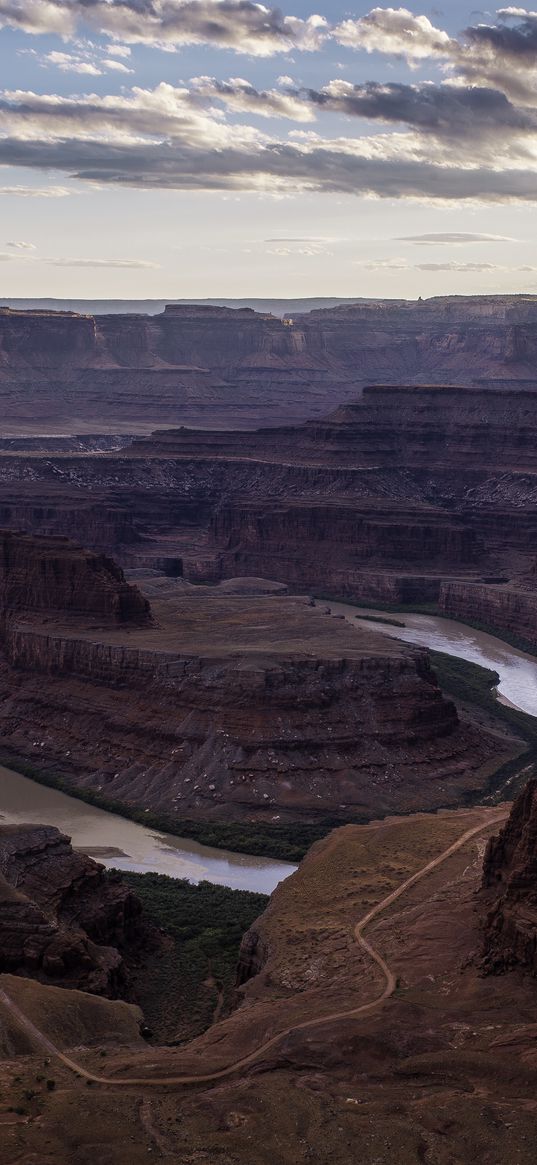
(510, 889)
(39, 574)
(62, 919)
(224, 706)
(508, 609)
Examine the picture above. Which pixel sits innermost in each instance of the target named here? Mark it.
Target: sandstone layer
(224, 705)
(83, 373)
(62, 919)
(365, 504)
(42, 574)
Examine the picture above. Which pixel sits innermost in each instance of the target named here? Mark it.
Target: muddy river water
(115, 841)
(517, 671)
(126, 845)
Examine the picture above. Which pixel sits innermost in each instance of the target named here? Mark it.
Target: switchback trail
(364, 1009)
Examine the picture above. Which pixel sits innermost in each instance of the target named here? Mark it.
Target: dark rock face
(510, 887)
(55, 575)
(249, 368)
(61, 920)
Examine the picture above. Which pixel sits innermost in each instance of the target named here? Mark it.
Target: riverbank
(118, 842)
(467, 682)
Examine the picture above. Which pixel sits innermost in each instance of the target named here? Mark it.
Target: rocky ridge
(62, 920)
(510, 888)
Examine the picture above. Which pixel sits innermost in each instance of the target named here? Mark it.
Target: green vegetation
(192, 972)
(517, 641)
(380, 619)
(287, 842)
(475, 685)
(396, 609)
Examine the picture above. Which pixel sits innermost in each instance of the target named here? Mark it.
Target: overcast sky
(199, 148)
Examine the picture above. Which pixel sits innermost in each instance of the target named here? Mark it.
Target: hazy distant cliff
(218, 365)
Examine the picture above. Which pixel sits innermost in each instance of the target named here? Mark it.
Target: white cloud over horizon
(385, 104)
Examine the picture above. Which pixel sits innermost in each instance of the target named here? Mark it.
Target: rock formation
(62, 919)
(410, 494)
(510, 888)
(128, 373)
(39, 574)
(224, 705)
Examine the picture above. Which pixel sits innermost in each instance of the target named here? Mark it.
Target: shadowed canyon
(206, 514)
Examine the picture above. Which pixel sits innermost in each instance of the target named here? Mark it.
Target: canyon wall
(40, 574)
(217, 365)
(510, 888)
(221, 706)
(62, 919)
(503, 608)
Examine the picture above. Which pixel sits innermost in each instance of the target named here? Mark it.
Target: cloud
(451, 238)
(448, 265)
(118, 50)
(36, 191)
(5, 257)
(68, 63)
(128, 263)
(462, 267)
(267, 167)
(241, 25)
(396, 32)
(241, 96)
(115, 66)
(20, 246)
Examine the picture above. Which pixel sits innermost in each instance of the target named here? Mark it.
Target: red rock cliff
(510, 885)
(56, 575)
(61, 918)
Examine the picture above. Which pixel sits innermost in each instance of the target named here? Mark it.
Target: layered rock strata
(77, 373)
(40, 574)
(226, 705)
(62, 919)
(510, 888)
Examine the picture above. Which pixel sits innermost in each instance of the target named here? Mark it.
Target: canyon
(209, 704)
(79, 373)
(169, 645)
(409, 494)
(314, 1058)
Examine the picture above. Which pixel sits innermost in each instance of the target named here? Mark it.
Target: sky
(210, 148)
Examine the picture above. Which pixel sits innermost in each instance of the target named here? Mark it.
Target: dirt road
(354, 1013)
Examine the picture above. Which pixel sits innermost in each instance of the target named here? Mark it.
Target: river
(517, 671)
(125, 845)
(115, 841)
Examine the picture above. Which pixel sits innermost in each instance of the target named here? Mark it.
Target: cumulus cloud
(69, 63)
(21, 246)
(242, 25)
(500, 55)
(396, 32)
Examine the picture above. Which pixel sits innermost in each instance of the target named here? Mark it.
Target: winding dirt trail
(364, 1009)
